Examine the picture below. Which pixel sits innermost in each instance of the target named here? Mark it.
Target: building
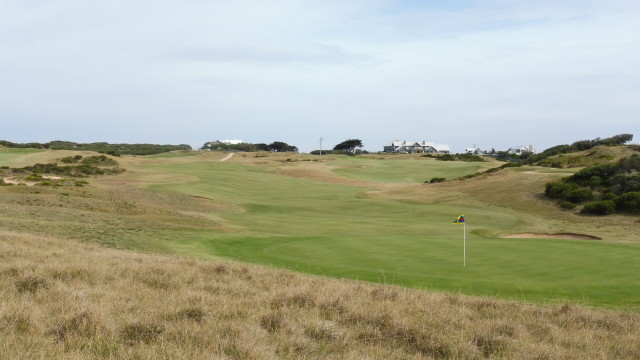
(409, 147)
(475, 151)
(230, 142)
(519, 150)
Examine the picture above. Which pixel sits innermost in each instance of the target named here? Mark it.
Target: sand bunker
(572, 236)
(14, 181)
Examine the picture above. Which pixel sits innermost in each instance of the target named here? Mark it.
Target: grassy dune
(65, 300)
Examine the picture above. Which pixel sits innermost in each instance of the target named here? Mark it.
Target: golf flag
(459, 220)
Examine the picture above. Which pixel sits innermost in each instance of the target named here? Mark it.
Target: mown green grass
(339, 231)
(412, 170)
(15, 157)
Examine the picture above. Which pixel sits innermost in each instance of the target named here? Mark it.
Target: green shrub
(567, 205)
(628, 202)
(558, 190)
(579, 195)
(34, 177)
(437, 180)
(604, 207)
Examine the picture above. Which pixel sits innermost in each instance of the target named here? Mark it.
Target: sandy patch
(15, 181)
(227, 157)
(571, 236)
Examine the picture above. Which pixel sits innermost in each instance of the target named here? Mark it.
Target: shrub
(628, 202)
(567, 205)
(446, 157)
(437, 180)
(556, 190)
(579, 195)
(34, 177)
(604, 207)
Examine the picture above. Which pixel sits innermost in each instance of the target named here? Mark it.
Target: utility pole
(321, 145)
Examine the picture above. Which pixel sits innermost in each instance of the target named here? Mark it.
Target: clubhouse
(408, 147)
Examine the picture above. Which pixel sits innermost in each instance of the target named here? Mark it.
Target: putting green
(338, 230)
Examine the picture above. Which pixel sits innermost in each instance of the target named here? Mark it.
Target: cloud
(376, 70)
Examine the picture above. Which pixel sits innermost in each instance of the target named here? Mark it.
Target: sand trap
(572, 236)
(15, 181)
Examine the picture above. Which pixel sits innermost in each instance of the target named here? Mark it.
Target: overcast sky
(494, 73)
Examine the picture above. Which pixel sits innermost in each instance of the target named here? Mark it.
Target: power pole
(321, 145)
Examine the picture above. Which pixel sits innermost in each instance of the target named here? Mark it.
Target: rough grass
(99, 303)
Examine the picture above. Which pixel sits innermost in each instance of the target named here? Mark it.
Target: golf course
(204, 254)
(375, 219)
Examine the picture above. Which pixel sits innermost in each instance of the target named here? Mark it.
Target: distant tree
(349, 145)
(279, 146)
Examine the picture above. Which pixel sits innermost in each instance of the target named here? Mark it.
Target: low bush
(628, 202)
(558, 190)
(604, 207)
(567, 205)
(437, 180)
(579, 195)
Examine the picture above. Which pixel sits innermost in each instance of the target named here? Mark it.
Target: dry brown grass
(65, 300)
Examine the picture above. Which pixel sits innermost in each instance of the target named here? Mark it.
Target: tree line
(276, 146)
(101, 147)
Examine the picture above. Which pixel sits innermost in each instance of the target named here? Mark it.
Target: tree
(349, 145)
(279, 146)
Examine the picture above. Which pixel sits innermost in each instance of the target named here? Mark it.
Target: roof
(437, 147)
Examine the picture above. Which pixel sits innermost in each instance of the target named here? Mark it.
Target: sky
(494, 73)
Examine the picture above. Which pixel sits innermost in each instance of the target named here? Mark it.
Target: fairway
(342, 231)
(16, 157)
(404, 170)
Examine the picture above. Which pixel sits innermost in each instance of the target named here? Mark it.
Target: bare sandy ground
(227, 157)
(16, 181)
(571, 236)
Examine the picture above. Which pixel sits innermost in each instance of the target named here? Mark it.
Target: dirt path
(227, 157)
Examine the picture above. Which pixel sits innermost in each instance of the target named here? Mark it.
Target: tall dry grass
(65, 300)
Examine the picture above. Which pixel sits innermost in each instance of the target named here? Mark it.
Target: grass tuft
(196, 314)
(142, 332)
(31, 283)
(81, 324)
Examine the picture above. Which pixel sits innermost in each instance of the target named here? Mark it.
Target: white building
(474, 151)
(410, 147)
(519, 150)
(230, 142)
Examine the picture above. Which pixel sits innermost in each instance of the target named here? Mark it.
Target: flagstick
(464, 246)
